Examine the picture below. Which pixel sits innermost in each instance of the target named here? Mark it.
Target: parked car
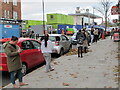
(74, 41)
(61, 43)
(31, 55)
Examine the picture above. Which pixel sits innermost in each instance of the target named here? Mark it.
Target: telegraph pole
(43, 16)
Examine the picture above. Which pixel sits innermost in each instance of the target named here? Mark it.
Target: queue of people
(84, 38)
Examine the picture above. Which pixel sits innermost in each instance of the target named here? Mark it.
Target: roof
(20, 39)
(55, 34)
(86, 15)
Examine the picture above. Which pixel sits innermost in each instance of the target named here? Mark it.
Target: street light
(43, 17)
(93, 15)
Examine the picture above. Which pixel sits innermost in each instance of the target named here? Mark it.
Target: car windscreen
(54, 38)
(1, 48)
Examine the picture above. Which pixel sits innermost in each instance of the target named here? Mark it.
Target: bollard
(103, 37)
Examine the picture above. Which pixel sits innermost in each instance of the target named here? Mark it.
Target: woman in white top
(46, 47)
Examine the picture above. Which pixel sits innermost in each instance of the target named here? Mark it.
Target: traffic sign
(114, 10)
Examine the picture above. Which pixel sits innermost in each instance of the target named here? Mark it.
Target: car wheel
(24, 69)
(61, 52)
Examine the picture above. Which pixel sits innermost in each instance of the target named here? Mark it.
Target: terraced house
(10, 9)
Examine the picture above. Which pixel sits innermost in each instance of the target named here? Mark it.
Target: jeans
(47, 57)
(13, 74)
(92, 37)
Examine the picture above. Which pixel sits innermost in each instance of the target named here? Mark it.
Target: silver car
(61, 43)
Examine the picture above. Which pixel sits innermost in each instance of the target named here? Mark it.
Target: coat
(85, 42)
(13, 57)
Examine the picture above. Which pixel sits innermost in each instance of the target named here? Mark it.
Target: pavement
(95, 70)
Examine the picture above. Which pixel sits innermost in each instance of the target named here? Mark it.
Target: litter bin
(116, 37)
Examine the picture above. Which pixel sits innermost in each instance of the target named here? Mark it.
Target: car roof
(19, 40)
(5, 39)
(55, 34)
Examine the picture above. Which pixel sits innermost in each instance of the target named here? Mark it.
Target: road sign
(114, 20)
(114, 10)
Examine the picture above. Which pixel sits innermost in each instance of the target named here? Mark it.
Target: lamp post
(43, 17)
(93, 15)
(82, 21)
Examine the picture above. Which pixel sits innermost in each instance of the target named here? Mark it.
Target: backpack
(80, 40)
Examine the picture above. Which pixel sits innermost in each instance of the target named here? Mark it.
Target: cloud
(32, 9)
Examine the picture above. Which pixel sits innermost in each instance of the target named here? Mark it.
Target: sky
(32, 9)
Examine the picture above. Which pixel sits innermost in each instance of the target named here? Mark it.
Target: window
(26, 45)
(1, 48)
(64, 38)
(5, 14)
(52, 38)
(15, 15)
(5, 1)
(51, 17)
(15, 2)
(8, 14)
(36, 44)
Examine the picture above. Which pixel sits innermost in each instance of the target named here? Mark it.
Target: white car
(61, 43)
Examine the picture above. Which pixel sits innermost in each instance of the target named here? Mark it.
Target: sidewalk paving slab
(94, 70)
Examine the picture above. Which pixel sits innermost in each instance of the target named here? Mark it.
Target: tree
(105, 6)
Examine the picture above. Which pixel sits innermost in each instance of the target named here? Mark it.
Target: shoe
(52, 69)
(15, 86)
(23, 84)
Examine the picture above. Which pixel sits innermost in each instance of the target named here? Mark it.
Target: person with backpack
(80, 39)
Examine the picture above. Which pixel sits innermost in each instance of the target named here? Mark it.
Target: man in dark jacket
(13, 61)
(80, 39)
(79, 35)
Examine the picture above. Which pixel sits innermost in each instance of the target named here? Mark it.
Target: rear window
(1, 48)
(54, 38)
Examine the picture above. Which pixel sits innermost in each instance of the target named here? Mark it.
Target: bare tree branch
(104, 9)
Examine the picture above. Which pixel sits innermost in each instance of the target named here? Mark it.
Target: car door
(65, 42)
(29, 54)
(37, 52)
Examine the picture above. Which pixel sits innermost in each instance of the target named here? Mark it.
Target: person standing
(13, 61)
(92, 35)
(96, 35)
(46, 48)
(28, 32)
(80, 39)
(85, 42)
(111, 33)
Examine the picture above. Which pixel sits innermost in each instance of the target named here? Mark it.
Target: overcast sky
(32, 9)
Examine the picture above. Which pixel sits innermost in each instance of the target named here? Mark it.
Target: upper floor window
(5, 14)
(8, 13)
(15, 2)
(5, 1)
(51, 17)
(15, 15)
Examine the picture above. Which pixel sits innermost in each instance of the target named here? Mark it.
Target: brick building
(10, 9)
